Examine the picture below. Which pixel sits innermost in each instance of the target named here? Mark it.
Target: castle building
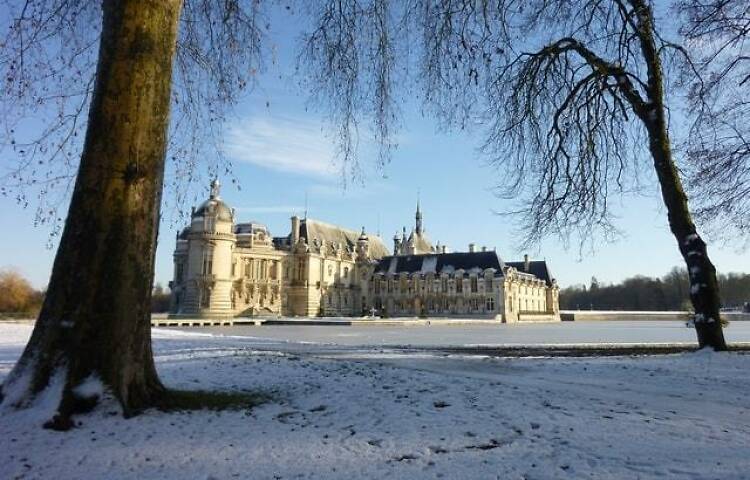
(223, 268)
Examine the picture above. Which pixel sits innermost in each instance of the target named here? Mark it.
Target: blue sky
(282, 154)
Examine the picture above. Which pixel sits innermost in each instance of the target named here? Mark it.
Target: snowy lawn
(404, 416)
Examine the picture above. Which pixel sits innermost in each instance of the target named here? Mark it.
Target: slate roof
(312, 229)
(538, 268)
(439, 262)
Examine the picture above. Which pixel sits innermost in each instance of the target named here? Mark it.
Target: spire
(418, 217)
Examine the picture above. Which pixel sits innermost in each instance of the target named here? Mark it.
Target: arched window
(208, 261)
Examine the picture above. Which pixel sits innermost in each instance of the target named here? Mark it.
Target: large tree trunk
(704, 288)
(95, 321)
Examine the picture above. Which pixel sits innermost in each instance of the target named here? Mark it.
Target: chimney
(472, 247)
(484, 248)
(526, 263)
(444, 249)
(295, 230)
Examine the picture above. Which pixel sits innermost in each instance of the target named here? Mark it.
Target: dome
(216, 207)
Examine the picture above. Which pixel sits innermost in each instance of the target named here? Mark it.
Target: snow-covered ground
(378, 414)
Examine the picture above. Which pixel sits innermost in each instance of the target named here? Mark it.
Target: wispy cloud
(283, 144)
(272, 209)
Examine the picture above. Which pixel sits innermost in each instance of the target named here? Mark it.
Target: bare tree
(95, 320)
(17, 296)
(570, 93)
(718, 147)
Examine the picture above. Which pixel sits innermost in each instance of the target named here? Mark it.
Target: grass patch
(181, 400)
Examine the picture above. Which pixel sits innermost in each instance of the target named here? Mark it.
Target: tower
(211, 240)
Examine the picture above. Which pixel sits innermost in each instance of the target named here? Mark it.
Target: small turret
(363, 246)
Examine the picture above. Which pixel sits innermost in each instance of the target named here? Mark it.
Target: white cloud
(282, 144)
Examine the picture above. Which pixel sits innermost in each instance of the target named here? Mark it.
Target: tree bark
(95, 321)
(704, 288)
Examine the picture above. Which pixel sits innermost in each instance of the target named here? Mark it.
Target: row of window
(440, 305)
(260, 269)
(405, 285)
(526, 290)
(529, 305)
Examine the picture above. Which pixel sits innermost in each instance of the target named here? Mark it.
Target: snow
(92, 387)
(701, 318)
(393, 266)
(429, 264)
(691, 238)
(380, 414)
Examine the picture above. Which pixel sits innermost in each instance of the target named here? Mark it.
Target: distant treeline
(18, 299)
(160, 299)
(670, 292)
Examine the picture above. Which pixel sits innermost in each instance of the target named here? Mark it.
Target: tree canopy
(48, 58)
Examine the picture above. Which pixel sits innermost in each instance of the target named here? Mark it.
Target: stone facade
(227, 269)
